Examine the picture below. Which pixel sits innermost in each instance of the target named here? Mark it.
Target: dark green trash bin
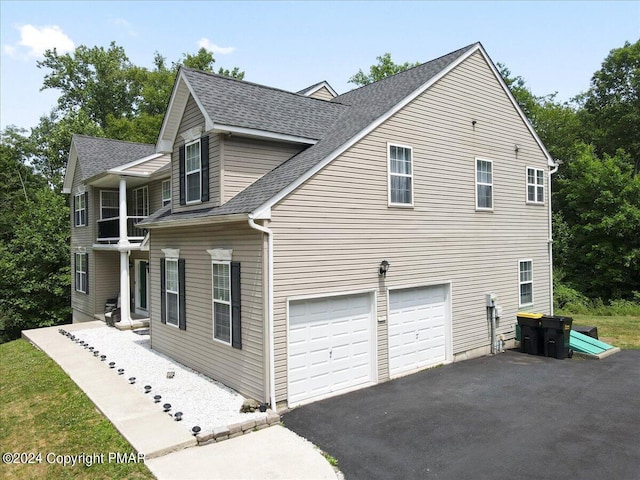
(531, 338)
(556, 332)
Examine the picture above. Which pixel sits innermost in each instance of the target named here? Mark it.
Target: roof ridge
(412, 68)
(247, 82)
(92, 137)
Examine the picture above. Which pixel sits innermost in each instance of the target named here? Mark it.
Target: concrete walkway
(170, 450)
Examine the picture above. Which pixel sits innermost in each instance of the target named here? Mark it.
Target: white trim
(535, 185)
(136, 291)
(318, 87)
(162, 199)
(475, 179)
(144, 244)
(524, 118)
(77, 271)
(258, 212)
(121, 168)
(221, 254)
(172, 292)
(70, 171)
(171, 253)
(198, 171)
(198, 221)
(257, 133)
(404, 175)
(223, 302)
(520, 304)
(84, 208)
(145, 200)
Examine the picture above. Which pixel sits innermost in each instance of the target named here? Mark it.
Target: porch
(109, 229)
(137, 321)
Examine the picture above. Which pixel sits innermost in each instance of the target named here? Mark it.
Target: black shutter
(181, 160)
(236, 324)
(86, 210)
(86, 275)
(204, 167)
(75, 215)
(182, 322)
(163, 293)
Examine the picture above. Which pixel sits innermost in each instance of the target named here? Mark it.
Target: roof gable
(363, 110)
(98, 155)
(228, 104)
(309, 91)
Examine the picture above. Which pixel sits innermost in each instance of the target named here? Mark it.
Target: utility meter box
(491, 299)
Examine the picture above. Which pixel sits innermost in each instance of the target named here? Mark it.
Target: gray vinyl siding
(82, 240)
(155, 195)
(246, 160)
(106, 280)
(193, 118)
(241, 369)
(322, 93)
(331, 234)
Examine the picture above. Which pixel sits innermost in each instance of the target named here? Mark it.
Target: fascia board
(513, 100)
(70, 171)
(260, 211)
(252, 132)
(190, 222)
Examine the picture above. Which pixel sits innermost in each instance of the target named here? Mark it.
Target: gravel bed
(202, 401)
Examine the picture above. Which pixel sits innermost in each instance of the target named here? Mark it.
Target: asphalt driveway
(512, 416)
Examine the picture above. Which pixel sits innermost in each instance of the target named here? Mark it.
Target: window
(141, 202)
(172, 289)
(535, 185)
(109, 204)
(484, 184)
(400, 175)
(192, 172)
(221, 274)
(80, 209)
(526, 282)
(172, 293)
(81, 269)
(166, 192)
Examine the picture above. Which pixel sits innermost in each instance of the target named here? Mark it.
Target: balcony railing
(109, 230)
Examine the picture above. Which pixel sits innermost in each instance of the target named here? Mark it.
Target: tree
(100, 82)
(600, 203)
(612, 105)
(385, 68)
(204, 60)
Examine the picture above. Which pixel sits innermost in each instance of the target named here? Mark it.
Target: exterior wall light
(384, 268)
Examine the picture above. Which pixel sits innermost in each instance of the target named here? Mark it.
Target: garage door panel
(332, 337)
(417, 328)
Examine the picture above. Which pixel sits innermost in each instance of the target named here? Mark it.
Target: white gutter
(550, 241)
(271, 346)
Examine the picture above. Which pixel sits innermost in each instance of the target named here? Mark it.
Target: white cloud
(212, 47)
(38, 39)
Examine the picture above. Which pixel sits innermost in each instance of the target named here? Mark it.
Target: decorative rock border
(220, 434)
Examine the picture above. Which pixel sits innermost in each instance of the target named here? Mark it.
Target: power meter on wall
(491, 299)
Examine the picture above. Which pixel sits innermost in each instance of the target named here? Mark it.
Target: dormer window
(193, 171)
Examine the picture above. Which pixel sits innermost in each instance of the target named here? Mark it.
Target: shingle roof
(361, 107)
(97, 155)
(244, 104)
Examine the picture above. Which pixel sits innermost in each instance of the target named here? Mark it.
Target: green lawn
(43, 411)
(623, 332)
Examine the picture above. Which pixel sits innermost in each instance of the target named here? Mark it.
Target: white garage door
(330, 346)
(417, 328)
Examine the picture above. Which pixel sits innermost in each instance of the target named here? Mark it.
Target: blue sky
(554, 46)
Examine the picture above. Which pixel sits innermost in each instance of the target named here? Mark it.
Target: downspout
(272, 374)
(550, 241)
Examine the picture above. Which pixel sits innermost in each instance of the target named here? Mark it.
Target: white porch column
(123, 247)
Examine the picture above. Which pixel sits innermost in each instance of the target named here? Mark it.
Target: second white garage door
(330, 346)
(418, 324)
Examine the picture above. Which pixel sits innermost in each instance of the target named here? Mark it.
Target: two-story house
(113, 185)
(318, 243)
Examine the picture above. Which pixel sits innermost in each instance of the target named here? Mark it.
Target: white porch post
(123, 247)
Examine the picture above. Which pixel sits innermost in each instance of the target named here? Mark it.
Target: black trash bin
(556, 335)
(531, 338)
